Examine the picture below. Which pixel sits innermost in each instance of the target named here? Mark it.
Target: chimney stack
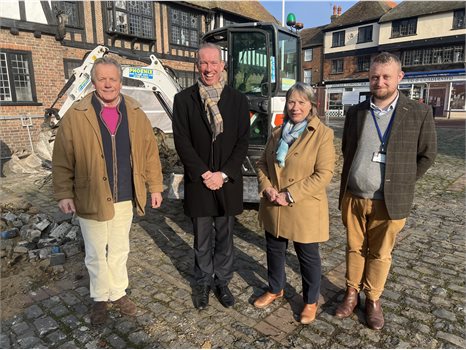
(334, 16)
(339, 11)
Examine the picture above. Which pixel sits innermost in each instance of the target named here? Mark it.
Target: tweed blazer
(308, 170)
(411, 150)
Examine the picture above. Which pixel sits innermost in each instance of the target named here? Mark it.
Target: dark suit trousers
(213, 249)
(309, 264)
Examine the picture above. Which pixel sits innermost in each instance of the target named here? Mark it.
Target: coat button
(104, 178)
(290, 180)
(296, 153)
(109, 199)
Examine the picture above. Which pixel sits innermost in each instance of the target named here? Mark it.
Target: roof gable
(372, 11)
(408, 9)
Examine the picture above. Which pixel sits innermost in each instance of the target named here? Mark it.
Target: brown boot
(374, 314)
(266, 299)
(308, 314)
(351, 300)
(126, 306)
(99, 313)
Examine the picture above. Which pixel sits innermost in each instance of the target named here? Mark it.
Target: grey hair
(304, 90)
(105, 60)
(207, 45)
(386, 57)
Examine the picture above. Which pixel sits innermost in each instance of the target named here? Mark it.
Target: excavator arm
(154, 77)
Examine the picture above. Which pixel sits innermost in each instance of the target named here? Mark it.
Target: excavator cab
(263, 61)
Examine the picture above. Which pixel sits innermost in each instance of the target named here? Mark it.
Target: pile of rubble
(37, 236)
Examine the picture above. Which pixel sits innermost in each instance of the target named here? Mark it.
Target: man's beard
(381, 93)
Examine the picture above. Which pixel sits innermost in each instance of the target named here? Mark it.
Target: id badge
(378, 157)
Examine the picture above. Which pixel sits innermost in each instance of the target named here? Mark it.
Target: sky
(311, 13)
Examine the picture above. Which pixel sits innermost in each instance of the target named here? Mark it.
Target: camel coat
(78, 166)
(308, 170)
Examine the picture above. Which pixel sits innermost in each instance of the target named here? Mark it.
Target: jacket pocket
(85, 197)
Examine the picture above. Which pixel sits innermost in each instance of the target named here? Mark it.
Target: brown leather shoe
(308, 314)
(351, 300)
(266, 299)
(99, 313)
(374, 314)
(126, 306)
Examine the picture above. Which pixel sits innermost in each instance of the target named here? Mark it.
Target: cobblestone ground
(424, 300)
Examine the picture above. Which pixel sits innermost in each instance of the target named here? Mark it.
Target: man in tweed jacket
(388, 143)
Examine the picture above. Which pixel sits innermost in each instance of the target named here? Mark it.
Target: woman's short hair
(304, 90)
(105, 60)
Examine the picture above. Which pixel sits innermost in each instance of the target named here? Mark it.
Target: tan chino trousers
(107, 249)
(371, 236)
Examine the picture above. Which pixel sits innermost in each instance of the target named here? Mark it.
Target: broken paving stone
(71, 249)
(20, 249)
(44, 253)
(46, 242)
(24, 217)
(9, 217)
(23, 231)
(61, 230)
(28, 245)
(42, 225)
(57, 259)
(72, 235)
(33, 236)
(17, 223)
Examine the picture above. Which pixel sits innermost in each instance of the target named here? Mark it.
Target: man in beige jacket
(105, 155)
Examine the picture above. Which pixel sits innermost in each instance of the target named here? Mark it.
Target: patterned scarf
(290, 132)
(210, 95)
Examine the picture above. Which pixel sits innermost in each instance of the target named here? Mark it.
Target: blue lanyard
(383, 139)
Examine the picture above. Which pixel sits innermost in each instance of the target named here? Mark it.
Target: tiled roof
(312, 36)
(361, 12)
(252, 10)
(408, 9)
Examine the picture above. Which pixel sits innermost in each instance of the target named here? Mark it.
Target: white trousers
(107, 248)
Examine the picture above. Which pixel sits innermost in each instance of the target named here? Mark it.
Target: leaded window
(436, 55)
(135, 18)
(404, 27)
(72, 10)
(337, 66)
(364, 63)
(184, 28)
(16, 78)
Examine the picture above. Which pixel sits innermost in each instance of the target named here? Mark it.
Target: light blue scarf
(290, 132)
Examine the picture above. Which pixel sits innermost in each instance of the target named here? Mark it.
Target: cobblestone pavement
(424, 300)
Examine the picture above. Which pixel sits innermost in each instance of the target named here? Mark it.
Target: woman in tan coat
(293, 172)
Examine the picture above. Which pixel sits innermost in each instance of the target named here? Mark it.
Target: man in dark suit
(388, 143)
(211, 133)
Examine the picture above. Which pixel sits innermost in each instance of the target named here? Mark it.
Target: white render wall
(351, 38)
(428, 27)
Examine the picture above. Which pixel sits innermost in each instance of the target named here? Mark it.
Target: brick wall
(315, 65)
(350, 65)
(14, 137)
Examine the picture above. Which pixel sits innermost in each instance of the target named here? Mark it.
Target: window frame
(111, 12)
(68, 65)
(409, 23)
(459, 22)
(336, 65)
(189, 28)
(448, 54)
(306, 52)
(59, 5)
(363, 63)
(307, 78)
(364, 30)
(338, 38)
(11, 79)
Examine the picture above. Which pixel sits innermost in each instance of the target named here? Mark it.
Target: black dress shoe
(224, 296)
(201, 296)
